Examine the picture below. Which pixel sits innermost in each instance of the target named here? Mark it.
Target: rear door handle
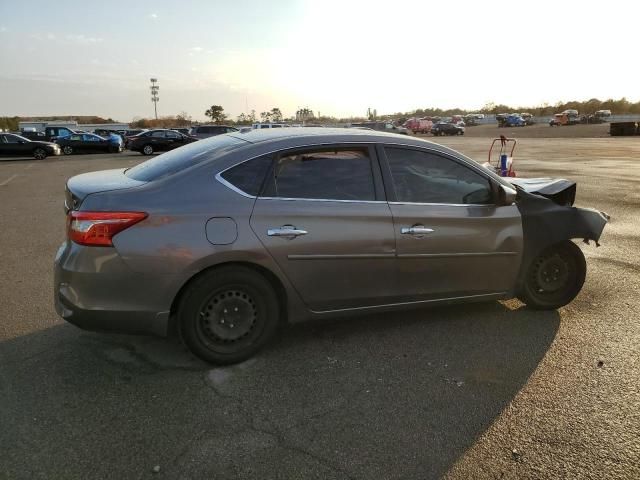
(416, 230)
(287, 231)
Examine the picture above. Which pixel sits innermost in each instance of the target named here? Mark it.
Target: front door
(173, 139)
(323, 218)
(452, 238)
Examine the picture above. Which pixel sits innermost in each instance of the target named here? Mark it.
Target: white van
(270, 125)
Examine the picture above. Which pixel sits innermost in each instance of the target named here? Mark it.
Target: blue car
(90, 143)
(514, 121)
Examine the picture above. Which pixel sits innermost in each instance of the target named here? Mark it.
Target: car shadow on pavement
(399, 395)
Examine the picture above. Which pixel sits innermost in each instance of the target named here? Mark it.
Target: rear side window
(183, 158)
(249, 176)
(425, 177)
(336, 174)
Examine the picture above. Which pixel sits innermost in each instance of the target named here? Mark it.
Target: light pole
(155, 98)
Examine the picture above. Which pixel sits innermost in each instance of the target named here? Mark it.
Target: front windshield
(183, 158)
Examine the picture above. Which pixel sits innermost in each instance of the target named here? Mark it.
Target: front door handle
(287, 231)
(416, 230)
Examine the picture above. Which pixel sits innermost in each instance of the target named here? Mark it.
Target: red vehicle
(419, 125)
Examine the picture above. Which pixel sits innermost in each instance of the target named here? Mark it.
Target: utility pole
(155, 98)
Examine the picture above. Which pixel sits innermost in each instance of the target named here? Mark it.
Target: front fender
(545, 223)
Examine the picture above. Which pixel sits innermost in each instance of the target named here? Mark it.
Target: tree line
(617, 107)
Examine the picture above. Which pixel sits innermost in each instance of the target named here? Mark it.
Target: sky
(336, 57)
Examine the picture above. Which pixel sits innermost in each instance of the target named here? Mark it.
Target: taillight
(99, 228)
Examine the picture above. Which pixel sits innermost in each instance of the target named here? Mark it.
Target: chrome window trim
(232, 187)
(288, 199)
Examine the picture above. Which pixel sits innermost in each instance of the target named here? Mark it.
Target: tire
(209, 324)
(554, 278)
(147, 150)
(67, 150)
(39, 153)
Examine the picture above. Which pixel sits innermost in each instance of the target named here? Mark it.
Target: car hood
(559, 190)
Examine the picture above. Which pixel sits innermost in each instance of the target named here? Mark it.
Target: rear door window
(332, 174)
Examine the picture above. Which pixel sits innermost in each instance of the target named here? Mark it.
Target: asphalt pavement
(488, 390)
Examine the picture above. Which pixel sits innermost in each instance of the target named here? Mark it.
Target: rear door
(158, 141)
(10, 145)
(323, 218)
(452, 237)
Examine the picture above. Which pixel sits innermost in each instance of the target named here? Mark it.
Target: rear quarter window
(248, 177)
(184, 157)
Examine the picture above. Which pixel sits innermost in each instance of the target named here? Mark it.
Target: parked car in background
(206, 131)
(226, 239)
(17, 146)
(446, 128)
(183, 130)
(528, 118)
(90, 143)
(418, 125)
(560, 119)
(132, 132)
(388, 127)
(160, 140)
(512, 120)
(106, 133)
(49, 133)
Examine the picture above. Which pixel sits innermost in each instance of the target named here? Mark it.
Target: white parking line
(6, 182)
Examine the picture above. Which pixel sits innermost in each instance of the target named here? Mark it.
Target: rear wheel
(228, 314)
(555, 277)
(39, 154)
(147, 150)
(67, 149)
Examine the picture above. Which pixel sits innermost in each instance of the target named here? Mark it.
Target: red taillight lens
(98, 228)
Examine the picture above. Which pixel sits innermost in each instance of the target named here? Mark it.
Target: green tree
(276, 114)
(265, 116)
(216, 113)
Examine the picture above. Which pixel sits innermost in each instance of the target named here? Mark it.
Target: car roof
(300, 137)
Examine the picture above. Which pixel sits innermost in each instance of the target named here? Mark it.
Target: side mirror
(507, 195)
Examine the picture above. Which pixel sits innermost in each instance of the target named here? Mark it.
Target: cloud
(153, 15)
(3, 29)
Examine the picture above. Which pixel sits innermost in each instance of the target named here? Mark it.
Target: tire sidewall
(227, 277)
(147, 150)
(571, 253)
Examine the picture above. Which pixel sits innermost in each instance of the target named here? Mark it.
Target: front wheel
(67, 149)
(555, 277)
(147, 150)
(228, 314)
(39, 154)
